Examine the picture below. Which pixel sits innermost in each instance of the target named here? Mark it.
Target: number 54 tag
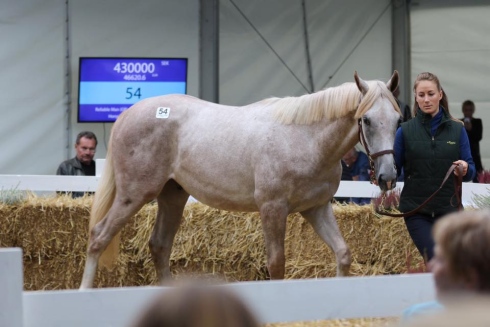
(163, 112)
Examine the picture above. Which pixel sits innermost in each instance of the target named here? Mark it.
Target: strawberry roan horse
(276, 156)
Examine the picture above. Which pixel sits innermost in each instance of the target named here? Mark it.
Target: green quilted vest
(427, 160)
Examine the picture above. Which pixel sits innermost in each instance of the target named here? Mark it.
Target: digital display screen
(108, 86)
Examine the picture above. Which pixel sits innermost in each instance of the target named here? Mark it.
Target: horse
(276, 156)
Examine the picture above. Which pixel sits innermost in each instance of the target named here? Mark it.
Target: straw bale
(48, 227)
(230, 245)
(214, 243)
(209, 241)
(8, 226)
(65, 272)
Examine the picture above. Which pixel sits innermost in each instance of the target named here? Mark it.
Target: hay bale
(46, 230)
(53, 235)
(8, 233)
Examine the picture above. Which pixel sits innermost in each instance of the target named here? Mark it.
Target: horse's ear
(361, 85)
(393, 82)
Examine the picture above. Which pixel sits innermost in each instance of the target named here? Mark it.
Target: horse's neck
(338, 137)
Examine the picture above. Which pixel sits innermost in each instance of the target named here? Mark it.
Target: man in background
(358, 164)
(474, 129)
(83, 163)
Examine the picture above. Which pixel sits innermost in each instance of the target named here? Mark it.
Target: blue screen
(108, 86)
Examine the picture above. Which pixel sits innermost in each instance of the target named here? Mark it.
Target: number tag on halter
(163, 112)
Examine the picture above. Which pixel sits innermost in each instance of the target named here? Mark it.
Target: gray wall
(31, 86)
(39, 115)
(39, 119)
(148, 28)
(262, 54)
(262, 49)
(452, 40)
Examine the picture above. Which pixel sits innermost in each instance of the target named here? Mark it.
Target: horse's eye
(366, 121)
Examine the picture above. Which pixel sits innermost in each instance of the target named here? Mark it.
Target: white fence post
(11, 287)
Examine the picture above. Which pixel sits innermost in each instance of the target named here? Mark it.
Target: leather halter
(371, 156)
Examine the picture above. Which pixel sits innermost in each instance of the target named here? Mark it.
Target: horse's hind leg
(171, 203)
(273, 216)
(325, 225)
(103, 232)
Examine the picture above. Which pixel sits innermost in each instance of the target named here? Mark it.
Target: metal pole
(68, 81)
(209, 57)
(307, 48)
(401, 51)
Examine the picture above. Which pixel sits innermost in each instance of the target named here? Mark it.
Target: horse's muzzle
(386, 185)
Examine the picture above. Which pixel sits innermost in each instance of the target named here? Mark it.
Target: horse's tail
(103, 199)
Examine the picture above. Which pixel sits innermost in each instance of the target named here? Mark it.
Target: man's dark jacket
(72, 167)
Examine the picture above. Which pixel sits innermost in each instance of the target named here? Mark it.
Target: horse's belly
(243, 199)
(225, 202)
(225, 196)
(316, 196)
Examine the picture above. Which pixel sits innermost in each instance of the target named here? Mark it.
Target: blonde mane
(330, 104)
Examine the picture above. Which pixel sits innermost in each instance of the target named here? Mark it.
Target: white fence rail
(52, 183)
(271, 301)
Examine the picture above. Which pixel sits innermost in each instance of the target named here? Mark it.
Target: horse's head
(379, 117)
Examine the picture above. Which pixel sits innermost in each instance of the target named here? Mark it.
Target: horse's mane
(331, 103)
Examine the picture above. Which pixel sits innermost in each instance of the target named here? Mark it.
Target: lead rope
(458, 182)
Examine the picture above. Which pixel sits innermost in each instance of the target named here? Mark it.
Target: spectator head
(461, 262)
(197, 306)
(350, 157)
(85, 146)
(468, 108)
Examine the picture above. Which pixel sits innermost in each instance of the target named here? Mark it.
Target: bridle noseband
(371, 156)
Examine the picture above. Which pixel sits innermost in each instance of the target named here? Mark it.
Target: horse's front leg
(325, 225)
(273, 215)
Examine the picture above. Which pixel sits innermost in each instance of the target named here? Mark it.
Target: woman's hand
(462, 164)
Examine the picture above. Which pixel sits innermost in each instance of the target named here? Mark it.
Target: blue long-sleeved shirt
(464, 147)
(361, 168)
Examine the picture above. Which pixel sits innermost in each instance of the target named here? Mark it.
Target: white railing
(52, 183)
(271, 301)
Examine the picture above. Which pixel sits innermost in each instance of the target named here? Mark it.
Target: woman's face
(428, 96)
(445, 281)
